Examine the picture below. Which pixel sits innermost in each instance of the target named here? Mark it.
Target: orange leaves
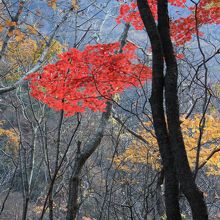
(52, 4)
(1, 28)
(10, 23)
(7, 23)
(19, 36)
(9, 139)
(82, 80)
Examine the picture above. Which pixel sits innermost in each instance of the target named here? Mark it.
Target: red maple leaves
(182, 29)
(86, 79)
(130, 14)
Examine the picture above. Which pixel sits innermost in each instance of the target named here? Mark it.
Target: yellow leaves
(56, 48)
(113, 121)
(10, 23)
(32, 30)
(209, 142)
(9, 139)
(25, 51)
(52, 4)
(139, 152)
(212, 4)
(38, 209)
(75, 5)
(116, 97)
(21, 50)
(19, 36)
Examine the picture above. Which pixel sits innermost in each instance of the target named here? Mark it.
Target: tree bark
(185, 177)
(25, 208)
(157, 103)
(81, 158)
(170, 139)
(74, 183)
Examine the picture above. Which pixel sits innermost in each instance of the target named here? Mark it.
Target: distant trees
(109, 109)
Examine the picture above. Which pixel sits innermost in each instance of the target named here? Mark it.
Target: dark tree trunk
(81, 158)
(51, 205)
(25, 208)
(74, 183)
(187, 183)
(170, 140)
(157, 103)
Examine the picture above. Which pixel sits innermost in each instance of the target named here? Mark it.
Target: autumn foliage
(85, 79)
(9, 139)
(182, 28)
(142, 153)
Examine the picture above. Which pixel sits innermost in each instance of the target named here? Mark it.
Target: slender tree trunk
(25, 208)
(157, 103)
(74, 182)
(73, 192)
(81, 158)
(50, 194)
(24, 182)
(91, 145)
(190, 190)
(50, 205)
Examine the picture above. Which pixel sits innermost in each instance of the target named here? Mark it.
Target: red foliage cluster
(207, 12)
(182, 29)
(86, 79)
(130, 14)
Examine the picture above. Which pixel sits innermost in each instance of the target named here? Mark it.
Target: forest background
(78, 133)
